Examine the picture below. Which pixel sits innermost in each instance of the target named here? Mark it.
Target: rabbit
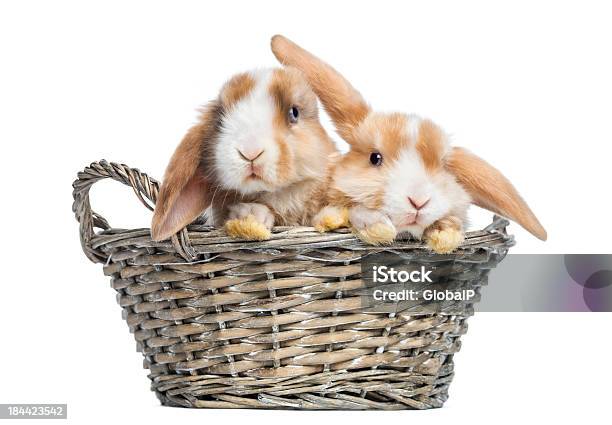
(256, 158)
(400, 174)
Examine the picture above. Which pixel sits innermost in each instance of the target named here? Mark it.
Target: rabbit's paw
(330, 218)
(371, 226)
(249, 221)
(444, 240)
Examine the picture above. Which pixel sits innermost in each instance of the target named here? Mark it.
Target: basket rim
(203, 239)
(196, 239)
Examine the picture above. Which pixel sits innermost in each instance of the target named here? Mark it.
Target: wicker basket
(224, 323)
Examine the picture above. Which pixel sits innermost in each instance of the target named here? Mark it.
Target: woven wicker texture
(224, 323)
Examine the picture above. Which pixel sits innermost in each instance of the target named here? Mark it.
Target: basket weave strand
(224, 323)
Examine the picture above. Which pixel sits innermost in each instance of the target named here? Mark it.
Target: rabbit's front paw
(444, 241)
(330, 218)
(249, 221)
(371, 226)
(445, 235)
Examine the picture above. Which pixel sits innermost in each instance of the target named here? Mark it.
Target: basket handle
(145, 188)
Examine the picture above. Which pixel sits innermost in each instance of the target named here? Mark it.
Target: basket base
(371, 389)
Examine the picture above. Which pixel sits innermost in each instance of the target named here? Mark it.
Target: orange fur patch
(281, 91)
(382, 132)
(283, 165)
(288, 88)
(236, 89)
(430, 145)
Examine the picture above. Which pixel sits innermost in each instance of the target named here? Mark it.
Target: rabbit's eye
(376, 159)
(294, 114)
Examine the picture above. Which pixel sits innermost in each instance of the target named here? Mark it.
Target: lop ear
(184, 193)
(341, 100)
(491, 190)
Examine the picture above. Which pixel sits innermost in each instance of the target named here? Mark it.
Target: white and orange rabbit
(257, 157)
(400, 175)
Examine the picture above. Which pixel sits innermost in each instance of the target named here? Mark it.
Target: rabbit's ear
(341, 100)
(184, 193)
(491, 190)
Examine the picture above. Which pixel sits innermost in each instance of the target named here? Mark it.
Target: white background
(525, 85)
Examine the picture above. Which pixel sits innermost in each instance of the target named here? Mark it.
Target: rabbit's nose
(250, 155)
(418, 203)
